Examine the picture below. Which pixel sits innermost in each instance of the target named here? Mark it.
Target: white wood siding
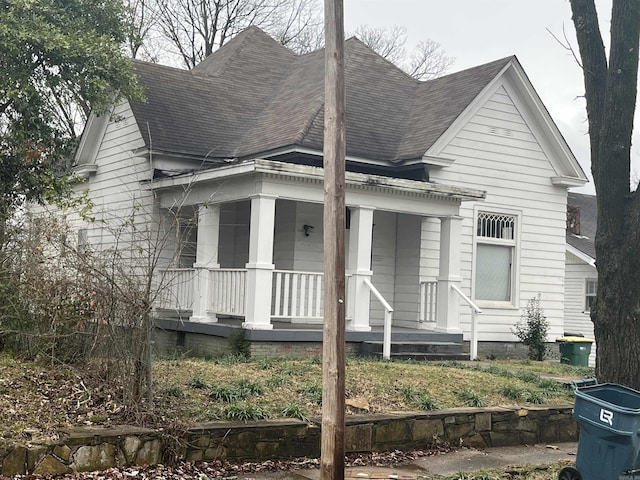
(308, 255)
(115, 187)
(576, 320)
(407, 285)
(383, 262)
(233, 250)
(497, 151)
(284, 240)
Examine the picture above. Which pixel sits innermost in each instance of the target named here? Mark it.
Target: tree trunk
(610, 90)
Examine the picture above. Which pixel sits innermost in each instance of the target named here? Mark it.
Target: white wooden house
(455, 183)
(581, 278)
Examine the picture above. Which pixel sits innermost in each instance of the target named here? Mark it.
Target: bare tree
(387, 42)
(426, 61)
(611, 90)
(299, 26)
(141, 19)
(195, 28)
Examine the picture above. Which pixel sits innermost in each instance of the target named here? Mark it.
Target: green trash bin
(575, 350)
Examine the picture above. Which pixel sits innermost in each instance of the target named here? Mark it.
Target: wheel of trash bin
(569, 473)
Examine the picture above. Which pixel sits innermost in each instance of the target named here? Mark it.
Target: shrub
(426, 402)
(248, 386)
(198, 382)
(238, 345)
(293, 410)
(528, 377)
(408, 392)
(513, 392)
(471, 398)
(245, 412)
(532, 329)
(276, 381)
(227, 393)
(174, 391)
(313, 392)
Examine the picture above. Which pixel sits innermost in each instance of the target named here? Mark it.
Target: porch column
(206, 259)
(447, 317)
(260, 267)
(360, 237)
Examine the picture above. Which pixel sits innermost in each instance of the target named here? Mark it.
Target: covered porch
(248, 248)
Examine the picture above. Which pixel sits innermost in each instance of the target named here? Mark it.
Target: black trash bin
(609, 443)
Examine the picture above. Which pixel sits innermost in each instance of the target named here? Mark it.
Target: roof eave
(261, 165)
(569, 182)
(581, 255)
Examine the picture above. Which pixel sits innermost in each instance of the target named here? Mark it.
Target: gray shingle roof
(253, 95)
(585, 242)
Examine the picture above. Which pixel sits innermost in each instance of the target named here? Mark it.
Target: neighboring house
(581, 277)
(455, 182)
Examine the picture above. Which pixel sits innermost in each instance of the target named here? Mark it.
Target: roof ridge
(317, 108)
(503, 60)
(222, 58)
(354, 39)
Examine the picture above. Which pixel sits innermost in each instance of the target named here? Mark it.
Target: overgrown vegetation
(522, 472)
(532, 329)
(189, 390)
(68, 305)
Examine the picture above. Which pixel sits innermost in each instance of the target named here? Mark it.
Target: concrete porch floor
(299, 339)
(302, 332)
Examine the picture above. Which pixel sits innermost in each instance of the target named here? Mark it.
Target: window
(187, 237)
(83, 239)
(495, 252)
(590, 290)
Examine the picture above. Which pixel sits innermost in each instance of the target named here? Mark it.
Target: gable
(498, 138)
(509, 120)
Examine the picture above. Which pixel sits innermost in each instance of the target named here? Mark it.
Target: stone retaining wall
(88, 449)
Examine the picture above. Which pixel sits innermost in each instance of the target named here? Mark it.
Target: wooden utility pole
(333, 365)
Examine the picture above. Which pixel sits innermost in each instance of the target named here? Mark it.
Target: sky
(474, 32)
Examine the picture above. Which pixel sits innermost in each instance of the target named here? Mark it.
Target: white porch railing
(388, 320)
(297, 294)
(428, 298)
(227, 291)
(177, 289)
(473, 344)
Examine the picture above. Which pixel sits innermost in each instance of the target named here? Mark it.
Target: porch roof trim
(272, 167)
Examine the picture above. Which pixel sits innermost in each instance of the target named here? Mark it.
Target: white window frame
(82, 239)
(514, 243)
(186, 248)
(588, 294)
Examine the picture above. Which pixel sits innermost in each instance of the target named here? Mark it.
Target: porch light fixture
(307, 229)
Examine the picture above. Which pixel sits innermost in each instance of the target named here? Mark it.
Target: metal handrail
(388, 311)
(475, 309)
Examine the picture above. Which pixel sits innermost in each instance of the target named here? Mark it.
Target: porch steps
(425, 350)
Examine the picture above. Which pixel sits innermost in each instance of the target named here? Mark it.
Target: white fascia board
(552, 139)
(437, 161)
(581, 255)
(568, 182)
(316, 173)
(91, 138)
(85, 170)
(203, 176)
